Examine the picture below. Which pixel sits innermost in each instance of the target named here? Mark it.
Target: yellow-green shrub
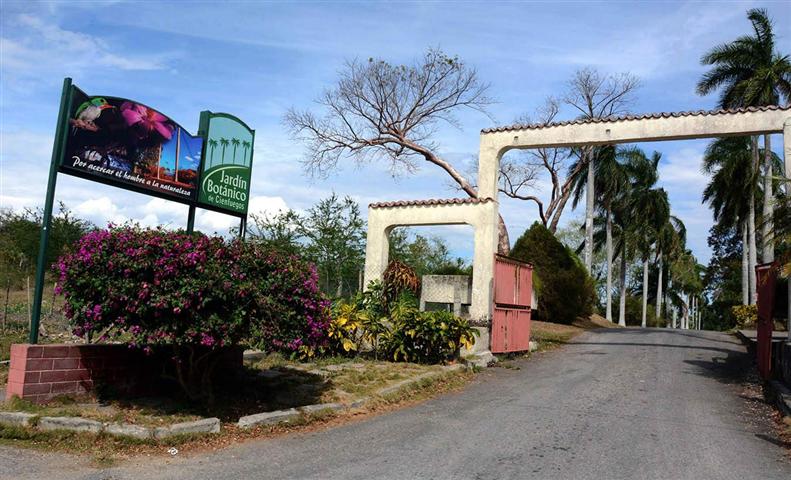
(746, 315)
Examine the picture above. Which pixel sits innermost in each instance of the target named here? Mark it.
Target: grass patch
(426, 387)
(552, 335)
(14, 333)
(337, 379)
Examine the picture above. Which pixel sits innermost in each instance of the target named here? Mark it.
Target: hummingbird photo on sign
(125, 142)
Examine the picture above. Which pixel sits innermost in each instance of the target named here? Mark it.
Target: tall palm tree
(686, 274)
(610, 181)
(671, 240)
(734, 181)
(649, 207)
(730, 192)
(751, 73)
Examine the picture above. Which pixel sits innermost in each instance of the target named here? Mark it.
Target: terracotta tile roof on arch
(626, 118)
(429, 202)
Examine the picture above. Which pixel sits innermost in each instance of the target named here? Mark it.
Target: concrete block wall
(39, 373)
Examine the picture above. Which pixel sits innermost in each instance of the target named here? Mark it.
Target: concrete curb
(284, 416)
(17, 419)
(411, 381)
(290, 414)
(268, 418)
(79, 424)
(74, 424)
(204, 425)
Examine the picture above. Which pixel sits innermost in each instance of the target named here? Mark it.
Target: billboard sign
(130, 145)
(227, 163)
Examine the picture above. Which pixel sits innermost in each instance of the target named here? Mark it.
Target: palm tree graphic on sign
(213, 145)
(224, 142)
(235, 143)
(246, 145)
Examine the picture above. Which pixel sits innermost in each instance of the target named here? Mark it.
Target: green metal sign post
(46, 220)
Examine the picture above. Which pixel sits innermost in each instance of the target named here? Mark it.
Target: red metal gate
(513, 291)
(766, 277)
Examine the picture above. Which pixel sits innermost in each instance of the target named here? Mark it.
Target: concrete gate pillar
(377, 249)
(480, 213)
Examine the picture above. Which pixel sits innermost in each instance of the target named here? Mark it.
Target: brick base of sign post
(39, 373)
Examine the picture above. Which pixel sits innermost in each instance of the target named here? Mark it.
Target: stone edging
(290, 414)
(79, 424)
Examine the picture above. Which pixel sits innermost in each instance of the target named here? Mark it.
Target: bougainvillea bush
(194, 293)
(290, 312)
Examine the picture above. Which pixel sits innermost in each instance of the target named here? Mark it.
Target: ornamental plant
(403, 334)
(290, 314)
(425, 337)
(746, 315)
(193, 294)
(399, 278)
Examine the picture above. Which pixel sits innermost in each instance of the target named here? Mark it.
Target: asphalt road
(614, 404)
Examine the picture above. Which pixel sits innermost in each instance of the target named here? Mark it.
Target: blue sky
(257, 59)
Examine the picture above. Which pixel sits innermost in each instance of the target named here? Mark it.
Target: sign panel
(130, 145)
(227, 163)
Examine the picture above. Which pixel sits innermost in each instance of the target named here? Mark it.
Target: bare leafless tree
(519, 174)
(594, 95)
(383, 112)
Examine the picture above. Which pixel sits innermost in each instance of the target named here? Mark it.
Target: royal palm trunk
(767, 242)
(645, 291)
(622, 293)
(609, 267)
(659, 288)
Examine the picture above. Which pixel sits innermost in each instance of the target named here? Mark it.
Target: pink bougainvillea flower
(149, 119)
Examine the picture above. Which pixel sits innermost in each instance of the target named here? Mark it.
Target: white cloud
(39, 46)
(101, 210)
(266, 206)
(681, 170)
(213, 222)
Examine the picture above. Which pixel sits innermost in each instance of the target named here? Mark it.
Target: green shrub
(565, 290)
(634, 312)
(425, 337)
(402, 334)
(355, 325)
(746, 315)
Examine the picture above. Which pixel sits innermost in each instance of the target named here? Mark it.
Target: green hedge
(565, 290)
